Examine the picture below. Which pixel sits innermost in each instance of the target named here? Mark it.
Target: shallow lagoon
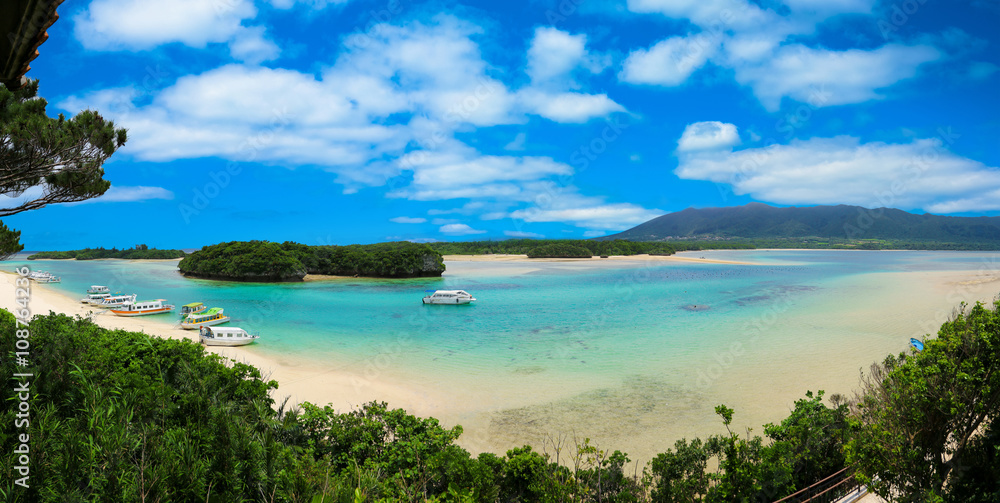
(633, 354)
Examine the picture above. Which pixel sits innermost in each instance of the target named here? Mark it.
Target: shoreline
(297, 382)
(595, 259)
(495, 420)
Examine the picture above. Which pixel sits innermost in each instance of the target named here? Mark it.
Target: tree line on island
(288, 261)
(137, 252)
(124, 416)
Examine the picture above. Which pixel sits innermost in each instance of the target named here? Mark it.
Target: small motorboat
(919, 346)
(225, 336)
(211, 317)
(192, 308)
(453, 297)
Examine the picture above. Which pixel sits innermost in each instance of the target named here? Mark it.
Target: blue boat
(919, 346)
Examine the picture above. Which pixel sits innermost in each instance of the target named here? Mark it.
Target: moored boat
(95, 298)
(117, 300)
(97, 289)
(44, 277)
(210, 317)
(144, 308)
(193, 308)
(225, 336)
(449, 297)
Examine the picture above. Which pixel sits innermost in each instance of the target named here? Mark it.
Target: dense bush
(559, 250)
(266, 261)
(243, 261)
(401, 259)
(136, 253)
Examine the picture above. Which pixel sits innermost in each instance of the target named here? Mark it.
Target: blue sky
(354, 121)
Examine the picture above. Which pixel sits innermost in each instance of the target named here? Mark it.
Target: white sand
(618, 258)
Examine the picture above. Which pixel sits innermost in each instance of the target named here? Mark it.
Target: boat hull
(210, 323)
(143, 312)
(447, 302)
(230, 342)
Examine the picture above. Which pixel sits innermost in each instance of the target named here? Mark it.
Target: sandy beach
(298, 383)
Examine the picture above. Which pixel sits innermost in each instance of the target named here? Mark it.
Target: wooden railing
(828, 490)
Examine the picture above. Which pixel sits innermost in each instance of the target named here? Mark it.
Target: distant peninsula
(142, 252)
(265, 261)
(562, 248)
(842, 226)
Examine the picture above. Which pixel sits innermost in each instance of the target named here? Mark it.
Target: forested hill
(264, 261)
(760, 221)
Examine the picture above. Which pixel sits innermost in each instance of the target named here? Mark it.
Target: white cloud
(312, 4)
(822, 77)
(587, 212)
(408, 220)
(459, 230)
(757, 44)
(252, 46)
(554, 54)
(842, 170)
(385, 113)
(706, 13)
(709, 135)
(110, 25)
(570, 107)
(128, 194)
(669, 62)
(594, 234)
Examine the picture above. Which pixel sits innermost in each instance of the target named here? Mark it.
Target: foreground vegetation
(267, 261)
(135, 253)
(122, 416)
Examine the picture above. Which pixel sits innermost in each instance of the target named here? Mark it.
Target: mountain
(760, 221)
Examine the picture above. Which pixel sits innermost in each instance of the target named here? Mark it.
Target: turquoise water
(612, 348)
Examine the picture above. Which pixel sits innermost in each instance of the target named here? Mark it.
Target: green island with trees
(124, 416)
(266, 261)
(137, 252)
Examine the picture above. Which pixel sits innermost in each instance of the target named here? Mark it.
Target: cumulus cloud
(385, 113)
(732, 35)
(570, 107)
(587, 212)
(112, 25)
(459, 230)
(709, 135)
(554, 54)
(921, 174)
(822, 77)
(669, 62)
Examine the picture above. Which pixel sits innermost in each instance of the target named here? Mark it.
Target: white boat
(210, 317)
(95, 298)
(113, 301)
(449, 297)
(98, 289)
(192, 308)
(44, 277)
(225, 336)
